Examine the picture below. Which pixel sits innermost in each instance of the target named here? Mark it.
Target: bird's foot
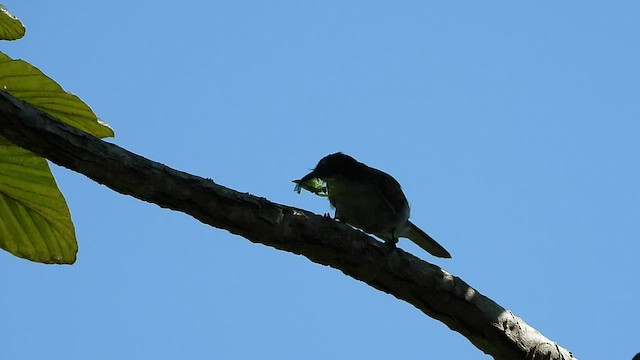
(391, 244)
(394, 238)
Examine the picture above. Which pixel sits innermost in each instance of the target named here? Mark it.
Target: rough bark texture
(493, 329)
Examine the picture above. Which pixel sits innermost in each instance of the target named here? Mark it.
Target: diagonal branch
(442, 296)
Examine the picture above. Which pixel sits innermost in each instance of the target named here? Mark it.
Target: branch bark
(440, 295)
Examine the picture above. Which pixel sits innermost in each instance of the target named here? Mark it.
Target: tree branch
(493, 329)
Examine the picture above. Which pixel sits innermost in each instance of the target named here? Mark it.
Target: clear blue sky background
(514, 129)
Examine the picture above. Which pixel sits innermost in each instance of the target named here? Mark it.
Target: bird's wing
(389, 189)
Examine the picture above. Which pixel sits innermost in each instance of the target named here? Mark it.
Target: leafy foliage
(10, 27)
(27, 83)
(35, 222)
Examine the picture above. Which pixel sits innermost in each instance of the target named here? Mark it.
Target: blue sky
(513, 129)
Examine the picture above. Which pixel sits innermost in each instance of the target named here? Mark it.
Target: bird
(368, 199)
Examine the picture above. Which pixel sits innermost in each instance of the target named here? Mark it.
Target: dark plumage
(371, 200)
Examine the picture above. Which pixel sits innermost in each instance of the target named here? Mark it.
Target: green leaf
(35, 222)
(25, 82)
(10, 27)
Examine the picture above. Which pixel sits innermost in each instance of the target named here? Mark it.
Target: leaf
(25, 82)
(10, 27)
(35, 222)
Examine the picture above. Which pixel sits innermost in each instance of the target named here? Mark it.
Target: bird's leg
(394, 238)
(391, 242)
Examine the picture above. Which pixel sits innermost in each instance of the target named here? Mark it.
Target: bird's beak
(311, 183)
(309, 176)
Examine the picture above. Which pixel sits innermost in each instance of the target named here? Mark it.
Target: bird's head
(331, 166)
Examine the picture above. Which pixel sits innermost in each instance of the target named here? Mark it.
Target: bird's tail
(425, 241)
